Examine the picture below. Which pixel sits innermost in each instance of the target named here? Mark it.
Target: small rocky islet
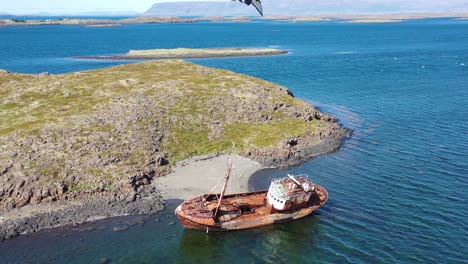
(85, 145)
(185, 53)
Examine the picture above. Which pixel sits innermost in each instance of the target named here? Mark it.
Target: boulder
(61, 188)
(23, 199)
(105, 260)
(37, 197)
(45, 192)
(161, 160)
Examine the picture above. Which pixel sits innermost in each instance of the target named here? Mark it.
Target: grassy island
(110, 132)
(184, 53)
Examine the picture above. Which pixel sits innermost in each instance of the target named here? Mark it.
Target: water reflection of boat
(287, 199)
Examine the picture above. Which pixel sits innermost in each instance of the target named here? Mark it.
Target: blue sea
(398, 188)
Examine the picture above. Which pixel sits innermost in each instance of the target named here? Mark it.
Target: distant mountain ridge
(304, 7)
(201, 8)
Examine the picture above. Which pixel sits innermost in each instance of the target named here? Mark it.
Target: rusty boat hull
(242, 211)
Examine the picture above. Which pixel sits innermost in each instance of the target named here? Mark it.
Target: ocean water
(398, 188)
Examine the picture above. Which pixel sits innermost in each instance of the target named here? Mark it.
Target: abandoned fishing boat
(287, 199)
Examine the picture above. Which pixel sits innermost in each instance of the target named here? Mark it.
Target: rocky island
(86, 145)
(185, 53)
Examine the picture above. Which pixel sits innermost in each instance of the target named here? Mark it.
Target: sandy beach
(199, 175)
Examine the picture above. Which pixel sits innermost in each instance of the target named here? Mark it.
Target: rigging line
(222, 179)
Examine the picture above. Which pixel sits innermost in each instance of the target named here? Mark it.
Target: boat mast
(228, 174)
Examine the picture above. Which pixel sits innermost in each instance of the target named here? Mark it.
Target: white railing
(278, 180)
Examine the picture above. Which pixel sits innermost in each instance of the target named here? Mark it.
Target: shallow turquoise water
(398, 187)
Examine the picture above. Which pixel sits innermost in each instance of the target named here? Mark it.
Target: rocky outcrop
(35, 219)
(294, 151)
(61, 162)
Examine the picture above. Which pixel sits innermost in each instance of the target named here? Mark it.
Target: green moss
(193, 141)
(8, 106)
(288, 100)
(83, 186)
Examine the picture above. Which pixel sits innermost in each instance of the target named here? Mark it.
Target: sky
(77, 6)
(139, 6)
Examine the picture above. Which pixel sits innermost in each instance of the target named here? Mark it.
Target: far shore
(349, 18)
(184, 53)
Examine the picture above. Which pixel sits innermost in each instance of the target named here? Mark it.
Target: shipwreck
(287, 199)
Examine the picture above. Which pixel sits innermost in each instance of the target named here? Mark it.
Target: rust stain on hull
(245, 210)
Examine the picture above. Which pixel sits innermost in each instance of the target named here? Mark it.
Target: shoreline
(180, 184)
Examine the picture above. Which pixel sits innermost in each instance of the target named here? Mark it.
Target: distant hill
(304, 7)
(201, 8)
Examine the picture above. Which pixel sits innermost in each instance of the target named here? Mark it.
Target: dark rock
(289, 143)
(161, 160)
(105, 260)
(86, 229)
(6, 168)
(140, 221)
(20, 184)
(145, 181)
(120, 228)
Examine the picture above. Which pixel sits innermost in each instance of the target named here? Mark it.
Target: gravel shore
(199, 175)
